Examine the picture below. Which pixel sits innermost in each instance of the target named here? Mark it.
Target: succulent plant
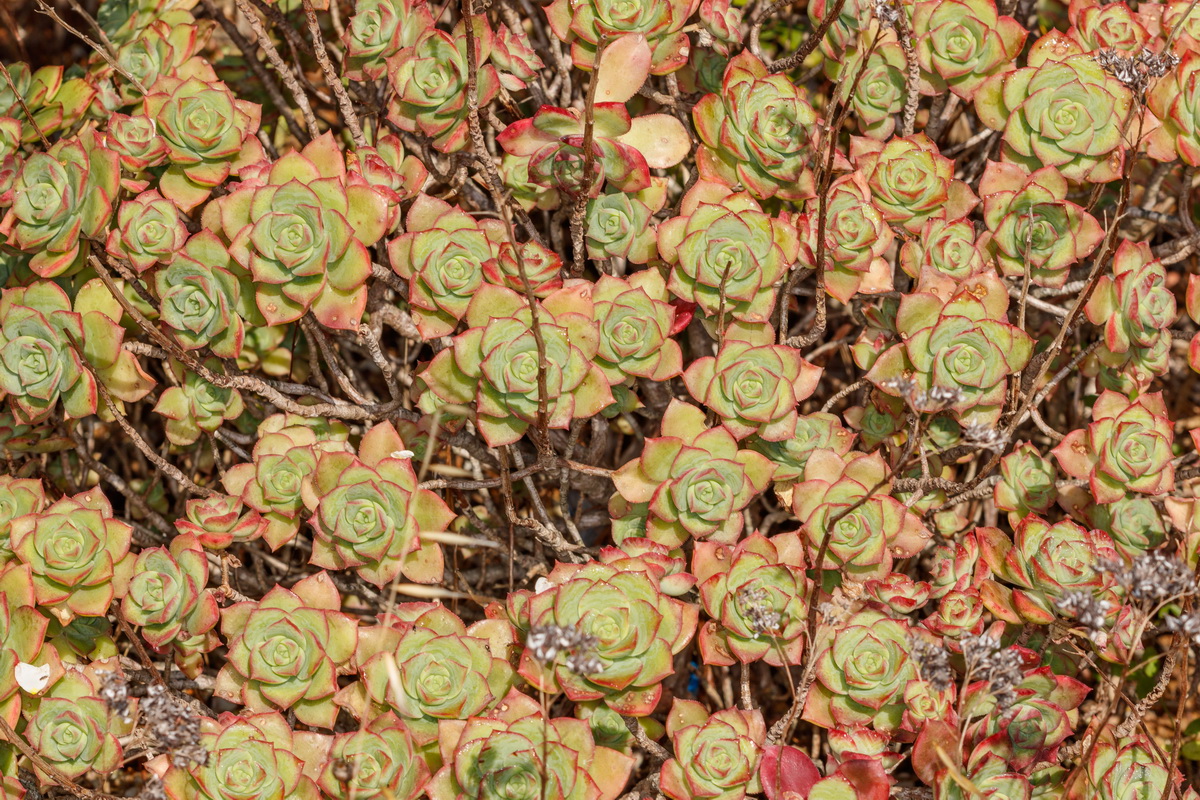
(209, 133)
(757, 596)
(302, 232)
(18, 497)
(1095, 26)
(637, 630)
(962, 346)
(201, 299)
(693, 480)
(1040, 717)
(1032, 225)
(55, 102)
(668, 567)
(149, 231)
(525, 264)
(879, 94)
(393, 173)
(726, 254)
(383, 760)
(368, 513)
(22, 635)
(220, 521)
(716, 755)
(1041, 561)
(752, 383)
(961, 43)
(948, 247)
(287, 650)
(495, 363)
(862, 527)
(636, 319)
(250, 755)
(1066, 113)
(136, 142)
(587, 25)
(1126, 448)
(757, 132)
(196, 406)
(1027, 483)
(911, 181)
(60, 197)
(816, 431)
(378, 30)
(1125, 769)
(958, 613)
(430, 83)
(898, 592)
(77, 552)
(74, 730)
(444, 669)
(167, 597)
(863, 668)
(517, 753)
(619, 224)
(1135, 307)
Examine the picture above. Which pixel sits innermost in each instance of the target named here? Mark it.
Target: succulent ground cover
(599, 399)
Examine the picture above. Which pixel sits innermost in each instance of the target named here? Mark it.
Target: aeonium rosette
(637, 629)
(962, 345)
(716, 755)
(752, 383)
(757, 132)
(368, 513)
(726, 253)
(1175, 101)
(864, 529)
(385, 763)
(494, 365)
(946, 246)
(816, 431)
(589, 24)
(757, 596)
(516, 753)
(442, 255)
(1039, 714)
(73, 729)
(620, 224)
(444, 669)
(202, 301)
(301, 230)
(390, 171)
(1107, 26)
(78, 554)
(167, 597)
(863, 668)
(378, 30)
(1027, 483)
(149, 231)
(287, 650)
(911, 181)
(220, 521)
(1031, 224)
(1126, 448)
(1041, 561)
(693, 481)
(960, 43)
(636, 319)
(18, 497)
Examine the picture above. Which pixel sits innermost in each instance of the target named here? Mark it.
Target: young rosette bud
(167, 598)
(693, 479)
(287, 650)
(1136, 308)
(368, 513)
(526, 263)
(1066, 113)
(302, 232)
(381, 759)
(726, 254)
(634, 630)
(219, 521)
(208, 132)
(272, 483)
(911, 181)
(201, 299)
(863, 669)
(1126, 448)
(1031, 224)
(378, 30)
(1026, 483)
(73, 729)
(135, 141)
(816, 431)
(442, 256)
(390, 171)
(1041, 562)
(667, 566)
(620, 225)
(430, 83)
(753, 384)
(248, 756)
(516, 753)
(898, 592)
(957, 353)
(757, 596)
(863, 528)
(957, 614)
(443, 669)
(961, 43)
(1107, 26)
(60, 197)
(195, 406)
(77, 552)
(636, 319)
(716, 755)
(149, 231)
(757, 132)
(495, 364)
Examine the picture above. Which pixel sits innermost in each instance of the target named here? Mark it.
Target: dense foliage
(599, 399)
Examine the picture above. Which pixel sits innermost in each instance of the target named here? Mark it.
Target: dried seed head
(933, 663)
(547, 642)
(1089, 612)
(1000, 668)
(755, 605)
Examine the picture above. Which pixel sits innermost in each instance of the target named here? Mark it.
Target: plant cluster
(599, 399)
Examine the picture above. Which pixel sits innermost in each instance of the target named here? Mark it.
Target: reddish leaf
(786, 769)
(925, 759)
(868, 778)
(684, 311)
